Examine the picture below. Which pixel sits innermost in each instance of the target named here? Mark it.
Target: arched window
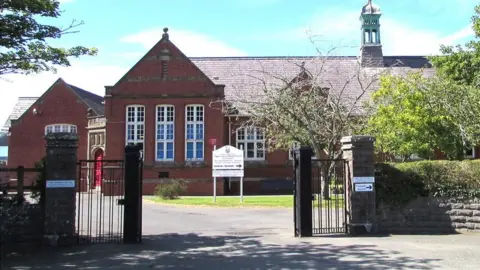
(55, 128)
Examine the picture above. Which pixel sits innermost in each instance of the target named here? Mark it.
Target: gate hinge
(121, 202)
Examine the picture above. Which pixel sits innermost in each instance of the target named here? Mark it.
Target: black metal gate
(100, 188)
(328, 192)
(319, 195)
(109, 199)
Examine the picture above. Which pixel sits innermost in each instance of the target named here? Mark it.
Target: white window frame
(166, 121)
(195, 141)
(61, 127)
(136, 124)
(255, 141)
(472, 156)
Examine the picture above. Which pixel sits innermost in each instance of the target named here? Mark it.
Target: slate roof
(93, 101)
(23, 103)
(245, 77)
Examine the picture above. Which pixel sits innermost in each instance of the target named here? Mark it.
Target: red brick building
(62, 108)
(168, 103)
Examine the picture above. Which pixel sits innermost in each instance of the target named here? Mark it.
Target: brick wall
(59, 105)
(429, 215)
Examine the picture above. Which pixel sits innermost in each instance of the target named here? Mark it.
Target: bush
(170, 191)
(399, 183)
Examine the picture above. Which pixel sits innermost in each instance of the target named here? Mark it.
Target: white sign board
(60, 184)
(363, 187)
(367, 179)
(227, 158)
(228, 173)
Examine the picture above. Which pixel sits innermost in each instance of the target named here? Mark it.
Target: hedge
(398, 183)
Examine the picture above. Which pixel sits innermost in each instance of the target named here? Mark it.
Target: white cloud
(89, 77)
(398, 38)
(192, 44)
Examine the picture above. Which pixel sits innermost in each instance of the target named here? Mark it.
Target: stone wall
(429, 215)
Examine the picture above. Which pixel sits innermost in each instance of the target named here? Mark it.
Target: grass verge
(248, 201)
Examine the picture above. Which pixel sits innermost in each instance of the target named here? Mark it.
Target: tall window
(55, 128)
(252, 141)
(135, 121)
(194, 137)
(165, 132)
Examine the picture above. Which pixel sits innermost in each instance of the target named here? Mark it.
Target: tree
(310, 101)
(23, 39)
(461, 63)
(413, 114)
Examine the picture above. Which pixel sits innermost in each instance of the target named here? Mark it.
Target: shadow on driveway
(193, 251)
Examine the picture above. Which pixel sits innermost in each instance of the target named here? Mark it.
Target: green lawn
(248, 201)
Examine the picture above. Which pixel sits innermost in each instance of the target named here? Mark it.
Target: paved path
(209, 238)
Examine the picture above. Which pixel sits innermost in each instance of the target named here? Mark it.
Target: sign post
(214, 181)
(241, 180)
(228, 161)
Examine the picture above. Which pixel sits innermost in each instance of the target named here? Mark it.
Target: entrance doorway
(97, 182)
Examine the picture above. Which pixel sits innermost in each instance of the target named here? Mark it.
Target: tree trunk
(327, 173)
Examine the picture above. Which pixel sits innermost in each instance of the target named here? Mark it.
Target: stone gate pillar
(360, 190)
(60, 191)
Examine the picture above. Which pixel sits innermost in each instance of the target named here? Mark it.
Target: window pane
(140, 132)
(130, 132)
(160, 114)
(199, 132)
(189, 150)
(250, 134)
(190, 113)
(140, 114)
(131, 114)
(259, 134)
(199, 150)
(241, 134)
(57, 128)
(170, 114)
(160, 132)
(170, 150)
(260, 150)
(160, 151)
(199, 114)
(250, 150)
(170, 132)
(73, 129)
(190, 132)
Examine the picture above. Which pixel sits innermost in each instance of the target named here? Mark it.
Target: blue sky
(123, 30)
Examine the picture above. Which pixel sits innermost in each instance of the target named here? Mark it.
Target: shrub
(170, 191)
(399, 183)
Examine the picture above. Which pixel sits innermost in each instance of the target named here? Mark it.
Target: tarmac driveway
(209, 238)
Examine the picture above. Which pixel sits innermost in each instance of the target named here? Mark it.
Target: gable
(89, 100)
(165, 71)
